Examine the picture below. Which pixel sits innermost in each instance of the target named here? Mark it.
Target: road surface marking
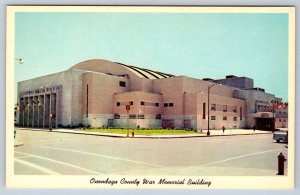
(26, 156)
(49, 141)
(43, 169)
(60, 162)
(101, 155)
(242, 156)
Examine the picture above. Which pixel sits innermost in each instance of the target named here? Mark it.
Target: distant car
(281, 135)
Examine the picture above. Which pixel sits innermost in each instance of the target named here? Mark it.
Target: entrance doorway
(187, 124)
(168, 123)
(265, 123)
(110, 122)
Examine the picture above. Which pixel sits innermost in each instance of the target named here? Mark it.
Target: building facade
(95, 93)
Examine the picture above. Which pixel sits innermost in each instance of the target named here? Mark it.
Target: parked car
(281, 135)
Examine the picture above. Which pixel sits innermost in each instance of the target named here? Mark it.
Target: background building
(96, 92)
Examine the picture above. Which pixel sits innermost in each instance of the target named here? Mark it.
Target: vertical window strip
(87, 100)
(203, 111)
(241, 113)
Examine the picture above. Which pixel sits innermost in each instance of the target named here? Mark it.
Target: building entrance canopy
(262, 115)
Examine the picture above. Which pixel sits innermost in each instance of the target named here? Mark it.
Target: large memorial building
(95, 93)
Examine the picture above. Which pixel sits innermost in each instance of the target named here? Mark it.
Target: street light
(20, 60)
(127, 107)
(275, 102)
(208, 92)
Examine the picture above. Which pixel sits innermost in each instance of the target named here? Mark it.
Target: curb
(17, 144)
(143, 137)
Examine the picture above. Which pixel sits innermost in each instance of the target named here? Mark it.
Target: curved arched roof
(116, 68)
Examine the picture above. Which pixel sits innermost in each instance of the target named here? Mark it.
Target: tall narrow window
(203, 111)
(241, 113)
(87, 100)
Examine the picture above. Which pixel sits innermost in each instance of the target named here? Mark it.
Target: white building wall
(57, 79)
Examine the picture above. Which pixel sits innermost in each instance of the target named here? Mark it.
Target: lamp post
(275, 102)
(208, 92)
(20, 60)
(127, 106)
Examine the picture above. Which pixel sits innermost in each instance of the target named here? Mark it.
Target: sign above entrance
(264, 115)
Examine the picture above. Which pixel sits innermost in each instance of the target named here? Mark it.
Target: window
(157, 104)
(131, 102)
(203, 117)
(213, 107)
(235, 118)
(166, 104)
(158, 116)
(142, 103)
(122, 84)
(213, 118)
(234, 109)
(279, 120)
(170, 104)
(116, 116)
(118, 103)
(141, 116)
(224, 107)
(132, 116)
(284, 120)
(224, 118)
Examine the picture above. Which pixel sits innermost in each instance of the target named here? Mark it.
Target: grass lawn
(143, 132)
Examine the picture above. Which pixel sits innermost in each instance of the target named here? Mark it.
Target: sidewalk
(213, 133)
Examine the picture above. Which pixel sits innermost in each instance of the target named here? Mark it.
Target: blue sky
(198, 45)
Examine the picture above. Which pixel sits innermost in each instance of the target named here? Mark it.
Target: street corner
(18, 144)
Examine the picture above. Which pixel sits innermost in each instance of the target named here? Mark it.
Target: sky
(198, 45)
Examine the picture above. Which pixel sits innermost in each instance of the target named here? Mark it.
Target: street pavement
(57, 153)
